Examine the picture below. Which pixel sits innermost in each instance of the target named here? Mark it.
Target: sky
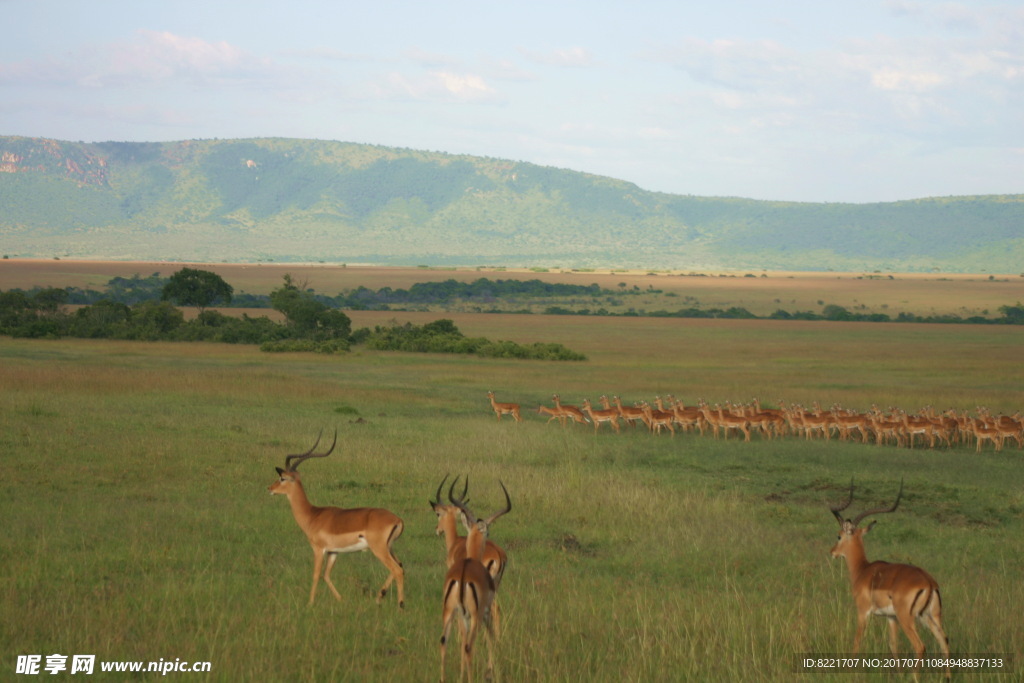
(790, 100)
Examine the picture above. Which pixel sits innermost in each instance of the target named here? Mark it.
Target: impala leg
(331, 559)
(862, 619)
(318, 563)
(449, 614)
(396, 574)
(491, 637)
(906, 620)
(894, 636)
(495, 617)
(932, 618)
(445, 631)
(466, 633)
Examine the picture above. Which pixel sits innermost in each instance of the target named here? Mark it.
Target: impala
(658, 419)
(553, 414)
(689, 417)
(504, 408)
(610, 416)
(629, 414)
(729, 421)
(569, 411)
(899, 592)
(333, 530)
(983, 433)
(494, 558)
(469, 590)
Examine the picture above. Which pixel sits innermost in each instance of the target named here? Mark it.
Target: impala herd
(893, 426)
(475, 565)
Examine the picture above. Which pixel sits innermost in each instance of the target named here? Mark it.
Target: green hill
(313, 200)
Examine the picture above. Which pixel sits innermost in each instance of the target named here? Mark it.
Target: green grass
(139, 526)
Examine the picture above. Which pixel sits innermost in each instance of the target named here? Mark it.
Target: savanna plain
(139, 525)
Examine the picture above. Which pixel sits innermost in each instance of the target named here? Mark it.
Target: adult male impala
(333, 530)
(469, 590)
(900, 592)
(494, 558)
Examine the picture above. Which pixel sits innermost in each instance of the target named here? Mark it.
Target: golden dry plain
(760, 292)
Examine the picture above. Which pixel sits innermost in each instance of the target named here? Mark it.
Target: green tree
(199, 288)
(307, 316)
(49, 301)
(155, 320)
(1013, 314)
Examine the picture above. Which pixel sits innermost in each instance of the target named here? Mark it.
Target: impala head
(470, 520)
(849, 533)
(442, 510)
(288, 477)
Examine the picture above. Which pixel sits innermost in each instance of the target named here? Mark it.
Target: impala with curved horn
(494, 558)
(333, 530)
(902, 593)
(469, 589)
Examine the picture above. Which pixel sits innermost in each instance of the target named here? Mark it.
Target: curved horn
(460, 502)
(508, 505)
(857, 520)
(299, 459)
(837, 509)
(437, 496)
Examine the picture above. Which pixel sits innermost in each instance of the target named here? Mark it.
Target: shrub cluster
(442, 336)
(309, 325)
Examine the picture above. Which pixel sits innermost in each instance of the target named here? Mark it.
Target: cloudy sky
(807, 100)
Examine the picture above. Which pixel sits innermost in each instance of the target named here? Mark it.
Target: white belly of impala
(360, 544)
(884, 611)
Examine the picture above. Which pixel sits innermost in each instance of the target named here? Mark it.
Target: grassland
(139, 527)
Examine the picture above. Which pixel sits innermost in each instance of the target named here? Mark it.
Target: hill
(290, 200)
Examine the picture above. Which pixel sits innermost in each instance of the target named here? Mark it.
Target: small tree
(1013, 315)
(306, 316)
(199, 288)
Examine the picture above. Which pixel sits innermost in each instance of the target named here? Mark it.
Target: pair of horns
(461, 501)
(859, 518)
(298, 459)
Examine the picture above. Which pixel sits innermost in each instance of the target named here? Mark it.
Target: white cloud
(152, 57)
(438, 86)
(465, 86)
(888, 78)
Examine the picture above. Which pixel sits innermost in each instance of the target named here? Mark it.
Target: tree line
(482, 292)
(309, 323)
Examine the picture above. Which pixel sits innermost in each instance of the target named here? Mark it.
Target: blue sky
(804, 100)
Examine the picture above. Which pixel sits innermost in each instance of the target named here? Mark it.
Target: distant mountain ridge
(312, 200)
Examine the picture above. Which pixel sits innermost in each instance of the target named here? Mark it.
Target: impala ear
(869, 526)
(279, 470)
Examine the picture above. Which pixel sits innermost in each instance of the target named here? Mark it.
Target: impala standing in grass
(494, 558)
(333, 530)
(902, 593)
(469, 590)
(504, 408)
